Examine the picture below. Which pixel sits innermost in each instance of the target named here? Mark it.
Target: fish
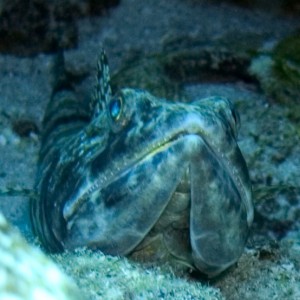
(131, 174)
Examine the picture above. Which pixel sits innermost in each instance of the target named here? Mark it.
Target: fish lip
(156, 148)
(70, 207)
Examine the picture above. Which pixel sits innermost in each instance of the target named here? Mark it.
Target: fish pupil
(115, 108)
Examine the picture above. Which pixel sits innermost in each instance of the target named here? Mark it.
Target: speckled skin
(126, 170)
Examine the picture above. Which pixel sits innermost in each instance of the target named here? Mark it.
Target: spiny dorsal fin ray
(65, 80)
(61, 81)
(103, 89)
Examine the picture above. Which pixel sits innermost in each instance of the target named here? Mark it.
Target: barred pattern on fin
(102, 89)
(65, 113)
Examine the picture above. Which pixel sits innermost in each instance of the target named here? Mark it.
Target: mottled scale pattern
(132, 174)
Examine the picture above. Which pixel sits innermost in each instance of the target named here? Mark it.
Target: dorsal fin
(103, 89)
(61, 80)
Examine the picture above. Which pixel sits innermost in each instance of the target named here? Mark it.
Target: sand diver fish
(132, 174)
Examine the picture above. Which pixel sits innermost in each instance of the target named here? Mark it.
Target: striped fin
(102, 90)
(65, 113)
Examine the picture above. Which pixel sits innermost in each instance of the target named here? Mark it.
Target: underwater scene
(150, 149)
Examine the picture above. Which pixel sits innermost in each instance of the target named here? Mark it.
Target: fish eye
(115, 108)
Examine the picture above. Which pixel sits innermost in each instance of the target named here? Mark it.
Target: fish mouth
(152, 151)
(166, 143)
(73, 204)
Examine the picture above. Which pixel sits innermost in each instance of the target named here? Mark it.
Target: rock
(33, 26)
(26, 273)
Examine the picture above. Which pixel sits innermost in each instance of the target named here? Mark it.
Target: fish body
(127, 170)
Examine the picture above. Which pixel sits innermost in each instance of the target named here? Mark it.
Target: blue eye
(115, 107)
